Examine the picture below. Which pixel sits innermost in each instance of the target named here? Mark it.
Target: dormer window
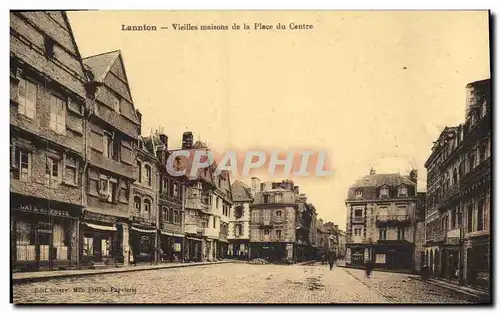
(403, 191)
(384, 192)
(359, 194)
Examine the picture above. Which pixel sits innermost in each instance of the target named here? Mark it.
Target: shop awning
(101, 227)
(144, 230)
(171, 234)
(193, 238)
(223, 240)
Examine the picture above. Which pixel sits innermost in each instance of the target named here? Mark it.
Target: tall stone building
(208, 205)
(382, 220)
(239, 221)
(170, 199)
(458, 201)
(111, 135)
(280, 222)
(47, 131)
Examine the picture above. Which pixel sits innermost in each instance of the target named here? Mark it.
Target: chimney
(187, 140)
(139, 117)
(255, 186)
(414, 175)
(372, 171)
(164, 140)
(296, 189)
(303, 197)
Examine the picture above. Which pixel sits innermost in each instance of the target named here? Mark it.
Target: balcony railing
(483, 170)
(388, 220)
(358, 219)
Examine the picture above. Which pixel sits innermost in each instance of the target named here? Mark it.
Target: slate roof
(378, 180)
(240, 191)
(100, 64)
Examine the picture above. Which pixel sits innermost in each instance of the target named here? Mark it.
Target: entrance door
(391, 259)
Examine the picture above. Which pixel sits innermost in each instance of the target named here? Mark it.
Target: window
(26, 93)
(278, 214)
(455, 176)
(215, 222)
(267, 215)
(164, 187)
(401, 210)
(382, 234)
(482, 152)
(453, 219)
(403, 191)
(266, 232)
(107, 189)
(137, 204)
(177, 219)
(358, 231)
(471, 162)
(401, 233)
(470, 211)
(52, 172)
(88, 246)
(57, 114)
(480, 215)
(255, 216)
(70, 171)
(148, 174)
(49, 46)
(382, 214)
(278, 197)
(278, 233)
(23, 163)
(238, 211)
(384, 192)
(266, 198)
(164, 216)
(239, 230)
(147, 208)
(358, 215)
(176, 190)
(359, 194)
(139, 171)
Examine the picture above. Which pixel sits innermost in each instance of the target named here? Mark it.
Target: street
(237, 283)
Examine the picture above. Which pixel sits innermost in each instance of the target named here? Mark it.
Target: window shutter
(21, 93)
(53, 114)
(30, 99)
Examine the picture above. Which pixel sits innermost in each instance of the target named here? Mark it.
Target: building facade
(239, 221)
(111, 133)
(208, 205)
(170, 196)
(459, 193)
(382, 221)
(47, 114)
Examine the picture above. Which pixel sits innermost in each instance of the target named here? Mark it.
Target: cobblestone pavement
(234, 283)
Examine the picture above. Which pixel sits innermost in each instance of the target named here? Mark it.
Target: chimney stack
(255, 186)
(187, 140)
(296, 189)
(139, 117)
(372, 171)
(414, 175)
(164, 140)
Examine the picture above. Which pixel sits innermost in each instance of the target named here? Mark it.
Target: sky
(373, 89)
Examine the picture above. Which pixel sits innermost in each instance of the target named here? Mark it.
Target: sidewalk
(408, 272)
(479, 294)
(18, 278)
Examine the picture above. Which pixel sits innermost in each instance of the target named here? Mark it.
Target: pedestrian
(368, 268)
(331, 260)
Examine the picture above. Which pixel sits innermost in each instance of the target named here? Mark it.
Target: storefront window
(25, 241)
(88, 246)
(145, 245)
(59, 244)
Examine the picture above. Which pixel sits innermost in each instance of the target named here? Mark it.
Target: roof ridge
(102, 53)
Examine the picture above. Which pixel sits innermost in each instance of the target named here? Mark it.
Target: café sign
(35, 209)
(91, 216)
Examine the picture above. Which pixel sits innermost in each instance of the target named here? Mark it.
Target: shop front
(272, 252)
(392, 256)
(222, 247)
(478, 271)
(44, 234)
(170, 247)
(355, 255)
(102, 240)
(143, 236)
(192, 248)
(238, 249)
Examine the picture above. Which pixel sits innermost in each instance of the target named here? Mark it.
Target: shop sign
(141, 220)
(91, 216)
(35, 209)
(44, 227)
